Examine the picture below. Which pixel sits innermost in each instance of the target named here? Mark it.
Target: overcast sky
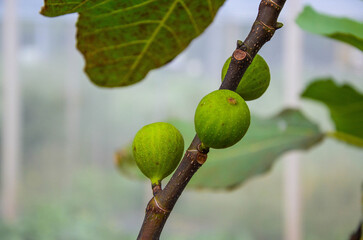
(352, 8)
(235, 9)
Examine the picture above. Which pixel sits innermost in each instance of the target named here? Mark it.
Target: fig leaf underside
(121, 41)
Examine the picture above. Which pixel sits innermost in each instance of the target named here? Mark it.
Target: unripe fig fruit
(221, 119)
(157, 149)
(255, 81)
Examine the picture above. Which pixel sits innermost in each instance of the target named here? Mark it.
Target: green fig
(157, 149)
(255, 81)
(221, 119)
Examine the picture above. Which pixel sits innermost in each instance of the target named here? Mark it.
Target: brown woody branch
(357, 235)
(161, 205)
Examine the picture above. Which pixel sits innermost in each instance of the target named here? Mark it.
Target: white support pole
(11, 148)
(293, 55)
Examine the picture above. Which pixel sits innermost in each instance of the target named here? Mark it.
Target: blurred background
(68, 130)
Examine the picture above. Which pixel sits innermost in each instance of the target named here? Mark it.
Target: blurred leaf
(345, 105)
(265, 141)
(124, 161)
(186, 128)
(346, 138)
(342, 29)
(123, 40)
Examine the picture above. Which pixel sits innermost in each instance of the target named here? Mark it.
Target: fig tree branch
(161, 205)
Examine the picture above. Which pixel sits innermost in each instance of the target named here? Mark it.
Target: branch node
(273, 4)
(239, 55)
(160, 207)
(242, 46)
(201, 158)
(156, 188)
(266, 27)
(202, 148)
(239, 43)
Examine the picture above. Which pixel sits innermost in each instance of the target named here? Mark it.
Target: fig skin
(157, 149)
(221, 119)
(255, 81)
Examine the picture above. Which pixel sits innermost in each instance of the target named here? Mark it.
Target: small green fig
(255, 81)
(157, 149)
(221, 119)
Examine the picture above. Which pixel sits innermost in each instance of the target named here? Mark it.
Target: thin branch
(161, 205)
(357, 235)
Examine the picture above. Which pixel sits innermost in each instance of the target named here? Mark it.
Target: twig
(357, 235)
(161, 205)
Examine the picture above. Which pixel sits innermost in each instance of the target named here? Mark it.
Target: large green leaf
(345, 105)
(123, 40)
(264, 142)
(342, 29)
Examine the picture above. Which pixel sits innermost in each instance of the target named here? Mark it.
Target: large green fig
(221, 119)
(157, 149)
(255, 81)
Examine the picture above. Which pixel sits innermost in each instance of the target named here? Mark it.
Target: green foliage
(157, 149)
(123, 40)
(125, 163)
(345, 105)
(255, 81)
(342, 29)
(221, 119)
(91, 209)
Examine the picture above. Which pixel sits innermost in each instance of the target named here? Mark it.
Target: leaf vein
(78, 6)
(210, 6)
(152, 38)
(114, 47)
(99, 4)
(121, 26)
(169, 29)
(190, 15)
(123, 9)
(60, 4)
(106, 63)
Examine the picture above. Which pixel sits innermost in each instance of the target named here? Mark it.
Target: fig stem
(156, 187)
(203, 148)
(160, 206)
